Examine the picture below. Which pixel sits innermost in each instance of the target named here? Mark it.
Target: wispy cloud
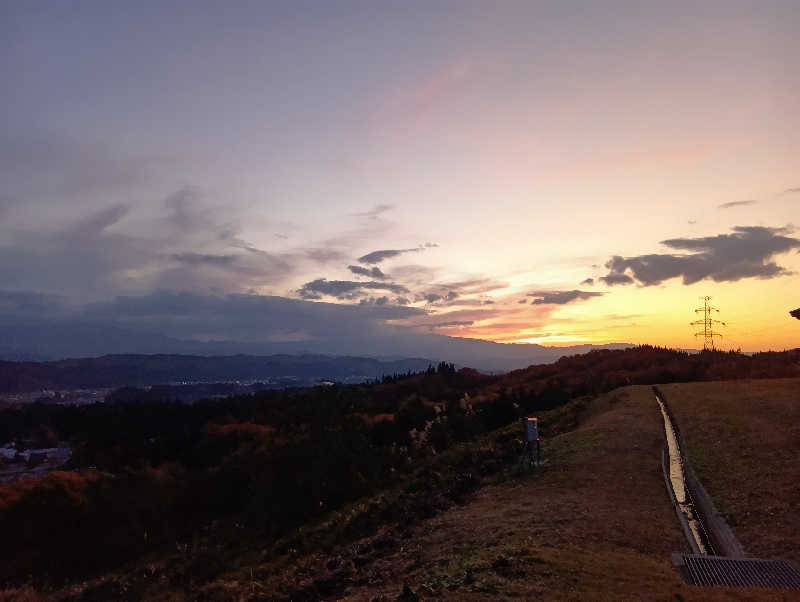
(379, 256)
(732, 204)
(324, 255)
(472, 287)
(406, 107)
(195, 259)
(375, 212)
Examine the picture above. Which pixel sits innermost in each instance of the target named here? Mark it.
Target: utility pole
(707, 323)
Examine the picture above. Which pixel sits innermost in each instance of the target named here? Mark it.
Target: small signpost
(532, 429)
(532, 440)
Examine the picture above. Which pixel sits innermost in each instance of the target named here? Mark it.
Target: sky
(555, 173)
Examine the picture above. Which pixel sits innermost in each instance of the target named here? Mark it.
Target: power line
(707, 323)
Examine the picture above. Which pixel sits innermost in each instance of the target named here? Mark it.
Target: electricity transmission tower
(707, 323)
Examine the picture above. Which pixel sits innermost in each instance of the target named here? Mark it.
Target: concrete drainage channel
(672, 464)
(717, 557)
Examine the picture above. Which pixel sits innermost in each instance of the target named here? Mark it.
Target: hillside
(359, 490)
(594, 523)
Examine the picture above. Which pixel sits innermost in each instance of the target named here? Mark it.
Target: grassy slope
(743, 439)
(596, 523)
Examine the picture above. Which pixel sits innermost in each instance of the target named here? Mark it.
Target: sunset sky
(541, 172)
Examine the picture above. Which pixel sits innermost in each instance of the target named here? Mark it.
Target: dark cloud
(732, 204)
(379, 256)
(230, 309)
(614, 279)
(795, 313)
(747, 253)
(446, 298)
(560, 297)
(522, 301)
(588, 282)
(374, 272)
(267, 323)
(379, 301)
(345, 289)
(791, 190)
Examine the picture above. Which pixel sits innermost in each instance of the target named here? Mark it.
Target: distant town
(18, 462)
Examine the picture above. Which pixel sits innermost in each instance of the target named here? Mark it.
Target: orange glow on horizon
(755, 312)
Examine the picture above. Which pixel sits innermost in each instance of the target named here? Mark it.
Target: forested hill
(137, 370)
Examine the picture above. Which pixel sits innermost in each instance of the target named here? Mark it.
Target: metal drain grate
(699, 569)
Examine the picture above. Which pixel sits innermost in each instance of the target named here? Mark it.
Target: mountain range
(58, 340)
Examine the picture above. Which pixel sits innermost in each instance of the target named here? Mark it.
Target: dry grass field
(743, 439)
